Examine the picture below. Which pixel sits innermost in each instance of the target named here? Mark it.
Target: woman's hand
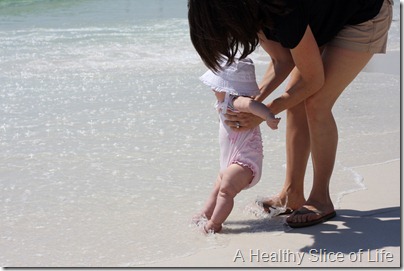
(242, 121)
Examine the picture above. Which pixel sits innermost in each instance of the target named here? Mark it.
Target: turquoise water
(108, 141)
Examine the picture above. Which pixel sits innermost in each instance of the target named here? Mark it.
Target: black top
(325, 17)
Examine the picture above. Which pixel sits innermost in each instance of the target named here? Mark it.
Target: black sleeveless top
(325, 17)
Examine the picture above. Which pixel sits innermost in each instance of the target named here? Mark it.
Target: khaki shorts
(369, 36)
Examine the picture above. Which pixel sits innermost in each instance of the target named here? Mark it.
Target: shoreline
(352, 239)
(360, 183)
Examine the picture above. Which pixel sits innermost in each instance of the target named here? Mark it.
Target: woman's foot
(284, 202)
(311, 214)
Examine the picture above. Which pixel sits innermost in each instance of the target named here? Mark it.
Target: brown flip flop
(303, 211)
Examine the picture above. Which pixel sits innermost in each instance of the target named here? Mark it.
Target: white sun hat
(236, 79)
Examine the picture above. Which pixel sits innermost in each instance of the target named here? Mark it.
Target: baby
(241, 152)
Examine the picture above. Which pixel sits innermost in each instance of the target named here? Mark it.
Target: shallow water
(108, 141)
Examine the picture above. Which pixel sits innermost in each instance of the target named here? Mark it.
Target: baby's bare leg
(211, 201)
(234, 179)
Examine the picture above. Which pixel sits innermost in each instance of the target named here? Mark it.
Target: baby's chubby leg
(234, 179)
(210, 203)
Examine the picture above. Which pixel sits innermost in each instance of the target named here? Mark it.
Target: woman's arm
(309, 66)
(307, 62)
(278, 69)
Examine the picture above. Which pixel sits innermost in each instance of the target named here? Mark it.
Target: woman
(322, 45)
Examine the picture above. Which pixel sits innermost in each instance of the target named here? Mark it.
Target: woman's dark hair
(220, 29)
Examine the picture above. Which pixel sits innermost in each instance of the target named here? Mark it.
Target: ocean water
(108, 141)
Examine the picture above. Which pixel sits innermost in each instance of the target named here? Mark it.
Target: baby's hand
(272, 121)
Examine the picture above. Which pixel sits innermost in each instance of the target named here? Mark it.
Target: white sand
(365, 233)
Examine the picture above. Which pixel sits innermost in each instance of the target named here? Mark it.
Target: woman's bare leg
(297, 155)
(341, 66)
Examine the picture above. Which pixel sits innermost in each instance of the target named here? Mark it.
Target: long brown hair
(220, 29)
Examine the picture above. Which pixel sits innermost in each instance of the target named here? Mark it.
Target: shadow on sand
(357, 230)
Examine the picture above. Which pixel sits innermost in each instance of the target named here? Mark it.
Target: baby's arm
(249, 105)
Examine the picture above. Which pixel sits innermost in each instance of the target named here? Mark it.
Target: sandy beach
(108, 147)
(365, 233)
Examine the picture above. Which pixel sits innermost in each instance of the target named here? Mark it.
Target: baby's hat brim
(237, 78)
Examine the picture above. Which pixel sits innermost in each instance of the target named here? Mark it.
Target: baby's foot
(211, 227)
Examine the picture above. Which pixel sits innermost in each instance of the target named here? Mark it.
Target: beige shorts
(369, 36)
